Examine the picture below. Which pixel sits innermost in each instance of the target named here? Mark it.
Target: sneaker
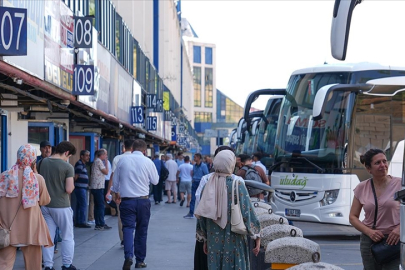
(189, 216)
(49, 268)
(106, 227)
(71, 267)
(127, 264)
(99, 228)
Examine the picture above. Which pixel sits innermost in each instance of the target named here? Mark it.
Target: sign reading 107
(83, 79)
(13, 31)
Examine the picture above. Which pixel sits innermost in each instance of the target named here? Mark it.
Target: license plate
(292, 212)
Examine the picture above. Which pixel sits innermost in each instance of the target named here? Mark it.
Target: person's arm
(104, 169)
(69, 185)
(262, 175)
(44, 197)
(109, 186)
(354, 215)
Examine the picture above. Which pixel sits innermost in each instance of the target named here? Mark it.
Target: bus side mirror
(342, 16)
(319, 101)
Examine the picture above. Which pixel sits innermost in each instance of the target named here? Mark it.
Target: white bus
(256, 130)
(328, 118)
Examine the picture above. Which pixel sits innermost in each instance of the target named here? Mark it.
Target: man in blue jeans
(199, 170)
(81, 186)
(132, 177)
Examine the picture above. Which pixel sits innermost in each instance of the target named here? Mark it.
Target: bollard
(268, 220)
(261, 205)
(277, 231)
(315, 266)
(262, 211)
(292, 250)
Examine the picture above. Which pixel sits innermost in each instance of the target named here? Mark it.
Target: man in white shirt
(170, 182)
(127, 149)
(184, 173)
(256, 161)
(132, 177)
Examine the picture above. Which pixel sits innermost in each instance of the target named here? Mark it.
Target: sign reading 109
(83, 80)
(13, 31)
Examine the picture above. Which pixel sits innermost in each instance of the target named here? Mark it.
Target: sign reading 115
(151, 123)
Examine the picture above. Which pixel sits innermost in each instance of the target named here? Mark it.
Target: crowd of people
(35, 194)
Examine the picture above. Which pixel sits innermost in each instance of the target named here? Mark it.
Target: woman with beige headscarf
(224, 248)
(22, 191)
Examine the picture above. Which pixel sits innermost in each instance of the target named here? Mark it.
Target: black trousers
(200, 258)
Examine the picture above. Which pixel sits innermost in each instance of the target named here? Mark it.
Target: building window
(208, 55)
(197, 54)
(197, 86)
(202, 117)
(118, 36)
(208, 87)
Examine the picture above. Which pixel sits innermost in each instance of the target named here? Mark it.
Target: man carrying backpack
(249, 171)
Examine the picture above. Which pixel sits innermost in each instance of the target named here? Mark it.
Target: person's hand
(107, 195)
(117, 198)
(205, 248)
(393, 237)
(256, 249)
(375, 235)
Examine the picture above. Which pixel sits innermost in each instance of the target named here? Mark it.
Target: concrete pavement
(170, 246)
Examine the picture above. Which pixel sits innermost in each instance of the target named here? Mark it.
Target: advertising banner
(103, 65)
(59, 26)
(33, 62)
(124, 94)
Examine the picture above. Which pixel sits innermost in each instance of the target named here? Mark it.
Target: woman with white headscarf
(22, 191)
(224, 248)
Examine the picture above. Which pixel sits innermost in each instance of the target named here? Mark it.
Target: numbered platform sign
(150, 101)
(83, 32)
(137, 115)
(151, 123)
(13, 31)
(83, 80)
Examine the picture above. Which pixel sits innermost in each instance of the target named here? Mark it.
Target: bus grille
(295, 196)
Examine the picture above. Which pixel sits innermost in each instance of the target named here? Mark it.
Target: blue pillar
(156, 34)
(4, 146)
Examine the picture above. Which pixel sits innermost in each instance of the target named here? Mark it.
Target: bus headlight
(329, 197)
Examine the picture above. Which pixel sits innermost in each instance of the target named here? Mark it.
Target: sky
(260, 43)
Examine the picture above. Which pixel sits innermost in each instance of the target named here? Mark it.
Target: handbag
(237, 225)
(5, 233)
(382, 252)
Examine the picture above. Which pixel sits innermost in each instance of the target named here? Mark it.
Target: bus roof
(348, 67)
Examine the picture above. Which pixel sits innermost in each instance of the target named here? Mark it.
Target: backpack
(252, 174)
(164, 172)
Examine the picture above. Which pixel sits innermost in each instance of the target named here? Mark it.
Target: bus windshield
(307, 145)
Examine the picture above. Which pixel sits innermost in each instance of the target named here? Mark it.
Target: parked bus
(317, 158)
(260, 125)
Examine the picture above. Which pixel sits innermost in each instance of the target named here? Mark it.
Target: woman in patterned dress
(224, 248)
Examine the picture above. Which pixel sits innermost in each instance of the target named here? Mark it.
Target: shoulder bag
(5, 233)
(237, 225)
(382, 252)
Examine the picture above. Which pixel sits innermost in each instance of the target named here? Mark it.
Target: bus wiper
(276, 165)
(310, 162)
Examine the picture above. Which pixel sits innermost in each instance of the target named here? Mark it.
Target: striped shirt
(81, 171)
